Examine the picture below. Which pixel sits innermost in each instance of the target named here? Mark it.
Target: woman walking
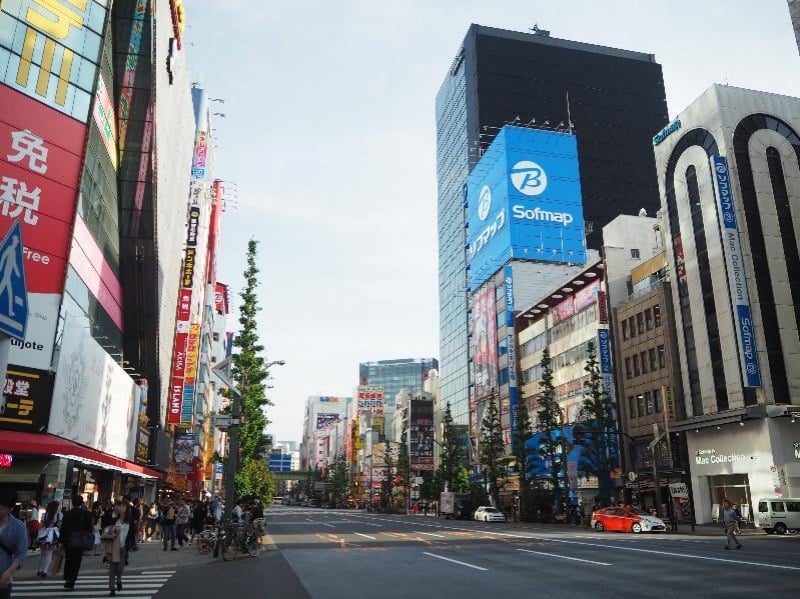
(114, 546)
(48, 537)
(150, 522)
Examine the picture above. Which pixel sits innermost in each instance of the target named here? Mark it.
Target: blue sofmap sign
(524, 201)
(737, 279)
(513, 392)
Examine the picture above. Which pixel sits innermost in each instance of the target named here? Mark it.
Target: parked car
(778, 515)
(626, 520)
(487, 513)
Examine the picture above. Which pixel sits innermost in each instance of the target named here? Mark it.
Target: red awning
(44, 444)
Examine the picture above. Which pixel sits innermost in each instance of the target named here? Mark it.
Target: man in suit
(78, 519)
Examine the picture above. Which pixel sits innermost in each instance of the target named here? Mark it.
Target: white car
(487, 513)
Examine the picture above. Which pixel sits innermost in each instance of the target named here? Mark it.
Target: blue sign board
(280, 462)
(524, 201)
(13, 294)
(513, 392)
(737, 279)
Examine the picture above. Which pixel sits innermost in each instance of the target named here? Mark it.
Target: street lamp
(233, 430)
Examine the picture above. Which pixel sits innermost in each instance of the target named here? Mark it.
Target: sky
(328, 150)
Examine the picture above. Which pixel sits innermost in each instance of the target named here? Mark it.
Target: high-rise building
(612, 100)
(396, 375)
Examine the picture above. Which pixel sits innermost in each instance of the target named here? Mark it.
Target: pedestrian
(238, 511)
(168, 525)
(182, 520)
(48, 537)
(150, 523)
(256, 511)
(13, 542)
(76, 537)
(198, 517)
(33, 525)
(133, 529)
(114, 545)
(731, 521)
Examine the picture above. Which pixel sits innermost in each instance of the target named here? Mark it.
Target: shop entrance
(733, 487)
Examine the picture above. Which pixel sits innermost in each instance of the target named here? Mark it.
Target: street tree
(597, 417)
(522, 434)
(338, 477)
(387, 484)
(261, 481)
(548, 418)
(403, 478)
(492, 449)
(451, 454)
(249, 372)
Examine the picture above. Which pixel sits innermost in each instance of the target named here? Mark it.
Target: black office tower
(613, 100)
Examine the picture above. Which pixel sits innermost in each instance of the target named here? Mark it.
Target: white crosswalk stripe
(134, 586)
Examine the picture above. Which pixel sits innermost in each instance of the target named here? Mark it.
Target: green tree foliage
(597, 417)
(250, 374)
(451, 455)
(403, 477)
(387, 485)
(548, 422)
(492, 449)
(338, 477)
(257, 481)
(522, 435)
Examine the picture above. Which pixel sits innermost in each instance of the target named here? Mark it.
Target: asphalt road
(328, 554)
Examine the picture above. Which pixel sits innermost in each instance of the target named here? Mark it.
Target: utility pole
(656, 483)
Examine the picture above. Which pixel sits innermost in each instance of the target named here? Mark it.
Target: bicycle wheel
(228, 547)
(253, 545)
(204, 542)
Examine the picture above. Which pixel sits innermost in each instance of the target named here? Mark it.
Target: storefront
(742, 462)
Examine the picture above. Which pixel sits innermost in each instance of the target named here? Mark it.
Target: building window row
(639, 324)
(650, 360)
(574, 355)
(647, 403)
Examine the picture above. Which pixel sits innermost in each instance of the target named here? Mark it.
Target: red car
(626, 520)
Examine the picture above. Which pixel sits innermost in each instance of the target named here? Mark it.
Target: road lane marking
(365, 536)
(574, 559)
(328, 525)
(455, 561)
(430, 534)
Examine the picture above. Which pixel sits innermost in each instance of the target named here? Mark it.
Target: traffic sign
(13, 295)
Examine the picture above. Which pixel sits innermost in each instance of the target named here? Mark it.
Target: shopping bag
(56, 562)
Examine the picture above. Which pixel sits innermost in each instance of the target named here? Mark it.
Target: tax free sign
(524, 202)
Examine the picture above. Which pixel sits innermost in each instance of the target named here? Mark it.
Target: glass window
(657, 403)
(651, 355)
(503, 376)
(657, 315)
(632, 406)
(793, 506)
(648, 402)
(624, 330)
(628, 371)
(762, 507)
(662, 357)
(635, 253)
(640, 403)
(643, 359)
(636, 365)
(648, 319)
(640, 323)
(632, 327)
(777, 506)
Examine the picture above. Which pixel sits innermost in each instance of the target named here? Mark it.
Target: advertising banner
(484, 339)
(511, 344)
(57, 48)
(563, 310)
(190, 372)
(586, 296)
(370, 397)
(25, 403)
(105, 119)
(737, 278)
(184, 304)
(324, 419)
(178, 370)
(187, 277)
(200, 153)
(142, 454)
(607, 372)
(421, 435)
(221, 298)
(183, 453)
(95, 402)
(524, 201)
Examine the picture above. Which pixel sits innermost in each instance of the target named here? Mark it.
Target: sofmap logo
(484, 202)
(529, 178)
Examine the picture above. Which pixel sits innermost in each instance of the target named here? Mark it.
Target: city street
(348, 553)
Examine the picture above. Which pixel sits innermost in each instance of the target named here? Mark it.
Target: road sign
(13, 295)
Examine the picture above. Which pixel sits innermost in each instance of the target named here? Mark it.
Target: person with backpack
(13, 542)
(76, 537)
(182, 521)
(168, 525)
(48, 537)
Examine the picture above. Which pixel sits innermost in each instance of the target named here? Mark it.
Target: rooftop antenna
(536, 31)
(569, 116)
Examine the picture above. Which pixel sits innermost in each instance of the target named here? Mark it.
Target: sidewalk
(150, 556)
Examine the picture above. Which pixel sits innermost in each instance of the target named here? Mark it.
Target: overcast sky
(329, 138)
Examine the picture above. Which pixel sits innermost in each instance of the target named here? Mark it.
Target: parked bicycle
(241, 538)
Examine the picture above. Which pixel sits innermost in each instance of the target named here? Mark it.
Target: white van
(778, 515)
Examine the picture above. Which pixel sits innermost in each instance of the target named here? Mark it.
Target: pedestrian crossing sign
(13, 294)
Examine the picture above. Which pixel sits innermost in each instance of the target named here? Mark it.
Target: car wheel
(780, 528)
(636, 528)
(598, 526)
(769, 531)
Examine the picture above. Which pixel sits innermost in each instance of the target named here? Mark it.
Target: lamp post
(232, 464)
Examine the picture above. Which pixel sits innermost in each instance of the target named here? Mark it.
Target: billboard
(524, 201)
(183, 453)
(190, 372)
(324, 419)
(737, 278)
(511, 345)
(25, 403)
(421, 435)
(484, 341)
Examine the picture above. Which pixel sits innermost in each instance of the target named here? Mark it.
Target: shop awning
(43, 444)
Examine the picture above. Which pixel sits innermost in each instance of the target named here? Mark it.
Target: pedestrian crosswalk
(134, 586)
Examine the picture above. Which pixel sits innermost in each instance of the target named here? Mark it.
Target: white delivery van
(777, 514)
